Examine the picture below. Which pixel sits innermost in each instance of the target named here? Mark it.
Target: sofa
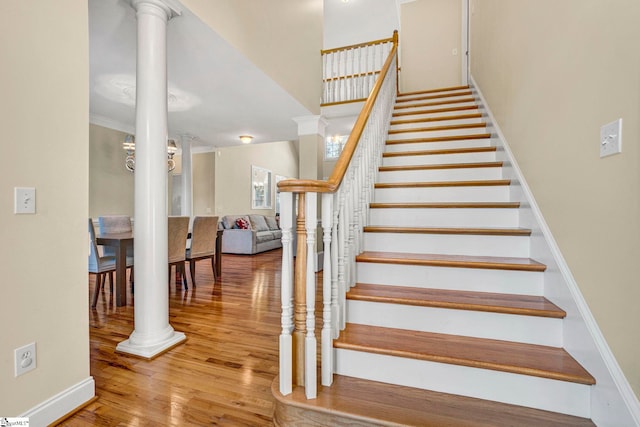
(249, 234)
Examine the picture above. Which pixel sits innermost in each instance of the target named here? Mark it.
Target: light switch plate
(24, 200)
(611, 138)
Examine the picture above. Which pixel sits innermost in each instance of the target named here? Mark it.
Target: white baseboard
(613, 402)
(61, 404)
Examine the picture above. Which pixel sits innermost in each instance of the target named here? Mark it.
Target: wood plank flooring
(221, 376)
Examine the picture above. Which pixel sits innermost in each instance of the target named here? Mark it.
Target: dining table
(121, 241)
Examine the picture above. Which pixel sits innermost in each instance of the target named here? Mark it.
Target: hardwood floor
(221, 376)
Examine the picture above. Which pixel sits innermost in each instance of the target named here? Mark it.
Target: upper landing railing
(350, 72)
(345, 198)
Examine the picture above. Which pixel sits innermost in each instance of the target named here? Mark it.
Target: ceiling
(215, 93)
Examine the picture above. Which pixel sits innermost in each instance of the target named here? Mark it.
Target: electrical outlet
(25, 359)
(611, 138)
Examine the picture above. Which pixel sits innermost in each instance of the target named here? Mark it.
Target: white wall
(110, 183)
(281, 37)
(233, 174)
(358, 21)
(431, 30)
(553, 73)
(45, 121)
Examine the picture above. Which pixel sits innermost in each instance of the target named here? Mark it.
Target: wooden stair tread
(358, 403)
(439, 138)
(447, 205)
(489, 231)
(436, 90)
(459, 261)
(450, 94)
(526, 359)
(437, 119)
(439, 128)
(476, 183)
(435, 152)
(435, 110)
(526, 305)
(404, 168)
(434, 104)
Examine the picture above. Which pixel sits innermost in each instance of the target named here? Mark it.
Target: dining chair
(203, 244)
(178, 228)
(113, 224)
(99, 265)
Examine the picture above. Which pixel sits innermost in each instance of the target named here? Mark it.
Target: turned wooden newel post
(300, 300)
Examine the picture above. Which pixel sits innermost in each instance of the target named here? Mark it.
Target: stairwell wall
(553, 73)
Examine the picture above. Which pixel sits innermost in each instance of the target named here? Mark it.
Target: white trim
(149, 351)
(62, 403)
(613, 402)
(311, 125)
(464, 59)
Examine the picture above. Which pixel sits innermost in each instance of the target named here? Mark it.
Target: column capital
(311, 125)
(171, 8)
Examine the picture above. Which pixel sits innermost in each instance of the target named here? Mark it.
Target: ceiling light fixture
(246, 139)
(129, 145)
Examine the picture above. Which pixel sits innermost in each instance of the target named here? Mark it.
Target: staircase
(447, 324)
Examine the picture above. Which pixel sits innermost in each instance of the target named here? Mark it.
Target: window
(333, 146)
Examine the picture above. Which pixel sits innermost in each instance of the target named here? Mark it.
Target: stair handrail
(345, 197)
(349, 72)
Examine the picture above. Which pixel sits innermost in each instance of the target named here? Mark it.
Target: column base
(154, 350)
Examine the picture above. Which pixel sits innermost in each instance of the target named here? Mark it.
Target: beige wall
(553, 73)
(431, 29)
(281, 37)
(45, 110)
(110, 183)
(233, 174)
(204, 178)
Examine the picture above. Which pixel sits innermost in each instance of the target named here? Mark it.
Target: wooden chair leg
(96, 290)
(192, 271)
(213, 267)
(111, 282)
(183, 275)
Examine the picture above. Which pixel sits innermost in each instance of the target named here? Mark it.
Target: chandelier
(129, 145)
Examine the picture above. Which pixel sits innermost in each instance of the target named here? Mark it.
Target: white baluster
(286, 294)
(326, 337)
(310, 353)
(335, 304)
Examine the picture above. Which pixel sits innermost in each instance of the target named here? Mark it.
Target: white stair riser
(506, 327)
(445, 217)
(496, 193)
(448, 244)
(524, 390)
(437, 122)
(452, 278)
(436, 159)
(425, 175)
(419, 113)
(449, 95)
(436, 133)
(410, 107)
(444, 145)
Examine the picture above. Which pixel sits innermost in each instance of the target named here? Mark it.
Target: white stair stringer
(469, 323)
(524, 390)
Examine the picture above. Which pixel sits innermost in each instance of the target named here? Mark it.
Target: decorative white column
(186, 178)
(311, 130)
(152, 332)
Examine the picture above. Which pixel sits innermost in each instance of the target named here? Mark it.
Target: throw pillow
(242, 223)
(272, 223)
(258, 223)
